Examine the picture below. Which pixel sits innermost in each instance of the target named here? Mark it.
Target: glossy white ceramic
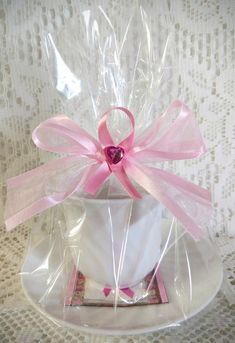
(115, 242)
(191, 271)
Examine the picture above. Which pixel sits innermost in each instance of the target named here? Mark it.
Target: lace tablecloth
(204, 32)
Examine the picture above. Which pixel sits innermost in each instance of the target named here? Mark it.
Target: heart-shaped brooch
(113, 154)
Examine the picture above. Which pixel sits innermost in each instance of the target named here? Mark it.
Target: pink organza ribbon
(89, 162)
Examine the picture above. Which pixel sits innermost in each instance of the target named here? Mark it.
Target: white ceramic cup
(116, 242)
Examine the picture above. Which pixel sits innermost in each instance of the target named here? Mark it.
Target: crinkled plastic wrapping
(109, 263)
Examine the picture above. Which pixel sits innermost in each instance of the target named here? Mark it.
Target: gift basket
(125, 247)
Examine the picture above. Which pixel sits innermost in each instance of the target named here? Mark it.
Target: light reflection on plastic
(65, 81)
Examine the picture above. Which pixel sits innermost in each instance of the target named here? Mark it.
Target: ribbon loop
(173, 136)
(62, 135)
(103, 132)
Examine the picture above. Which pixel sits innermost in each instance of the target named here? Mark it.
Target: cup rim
(123, 199)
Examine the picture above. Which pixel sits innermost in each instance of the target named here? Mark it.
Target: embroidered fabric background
(204, 33)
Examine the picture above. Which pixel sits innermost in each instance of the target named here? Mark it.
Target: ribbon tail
(43, 187)
(95, 177)
(189, 203)
(100, 172)
(125, 181)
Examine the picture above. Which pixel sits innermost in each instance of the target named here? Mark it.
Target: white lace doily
(204, 33)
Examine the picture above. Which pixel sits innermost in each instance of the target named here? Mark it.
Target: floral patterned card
(82, 291)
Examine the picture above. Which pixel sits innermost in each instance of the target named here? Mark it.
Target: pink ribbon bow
(173, 136)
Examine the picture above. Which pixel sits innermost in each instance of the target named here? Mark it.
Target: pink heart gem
(113, 154)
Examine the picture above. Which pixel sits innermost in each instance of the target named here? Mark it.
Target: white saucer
(192, 274)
